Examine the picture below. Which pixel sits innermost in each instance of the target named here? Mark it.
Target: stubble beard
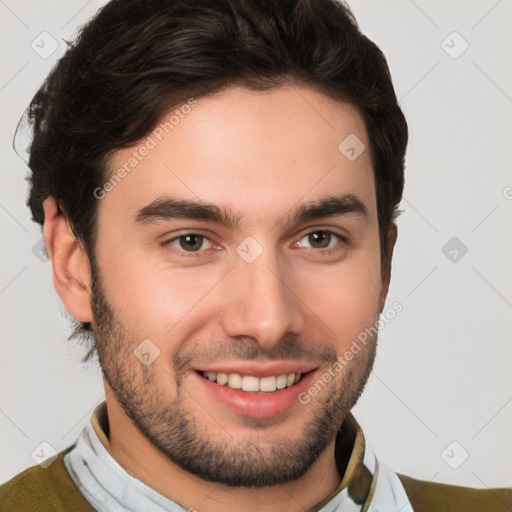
(179, 435)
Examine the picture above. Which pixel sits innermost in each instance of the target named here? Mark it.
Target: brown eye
(323, 243)
(191, 242)
(319, 239)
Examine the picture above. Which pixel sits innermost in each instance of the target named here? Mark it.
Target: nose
(262, 304)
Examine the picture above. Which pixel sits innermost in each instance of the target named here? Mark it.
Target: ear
(70, 263)
(386, 263)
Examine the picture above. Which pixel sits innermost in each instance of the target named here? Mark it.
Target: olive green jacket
(52, 490)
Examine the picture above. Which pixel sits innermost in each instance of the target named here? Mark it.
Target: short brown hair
(138, 58)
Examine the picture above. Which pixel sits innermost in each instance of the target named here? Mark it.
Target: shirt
(86, 477)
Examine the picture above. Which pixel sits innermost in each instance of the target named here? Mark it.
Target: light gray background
(443, 370)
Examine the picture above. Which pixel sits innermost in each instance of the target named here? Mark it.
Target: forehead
(258, 153)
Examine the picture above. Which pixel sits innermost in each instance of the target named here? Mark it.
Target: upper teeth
(251, 383)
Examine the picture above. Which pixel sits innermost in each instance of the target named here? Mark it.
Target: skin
(260, 154)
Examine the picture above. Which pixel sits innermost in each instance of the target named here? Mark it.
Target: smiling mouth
(250, 383)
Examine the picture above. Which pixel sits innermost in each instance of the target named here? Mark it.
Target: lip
(254, 404)
(258, 369)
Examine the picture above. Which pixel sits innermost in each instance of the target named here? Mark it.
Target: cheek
(345, 300)
(158, 303)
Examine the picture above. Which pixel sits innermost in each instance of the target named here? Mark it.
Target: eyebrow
(170, 208)
(330, 206)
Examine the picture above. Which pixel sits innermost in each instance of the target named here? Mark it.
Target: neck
(137, 455)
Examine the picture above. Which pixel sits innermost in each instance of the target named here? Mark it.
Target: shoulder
(428, 496)
(44, 490)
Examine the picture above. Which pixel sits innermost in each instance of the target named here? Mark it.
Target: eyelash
(182, 253)
(325, 252)
(329, 250)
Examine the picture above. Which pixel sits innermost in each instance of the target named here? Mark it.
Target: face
(235, 262)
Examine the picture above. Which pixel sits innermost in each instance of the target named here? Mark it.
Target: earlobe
(70, 263)
(386, 263)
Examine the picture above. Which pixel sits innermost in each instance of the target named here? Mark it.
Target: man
(218, 185)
